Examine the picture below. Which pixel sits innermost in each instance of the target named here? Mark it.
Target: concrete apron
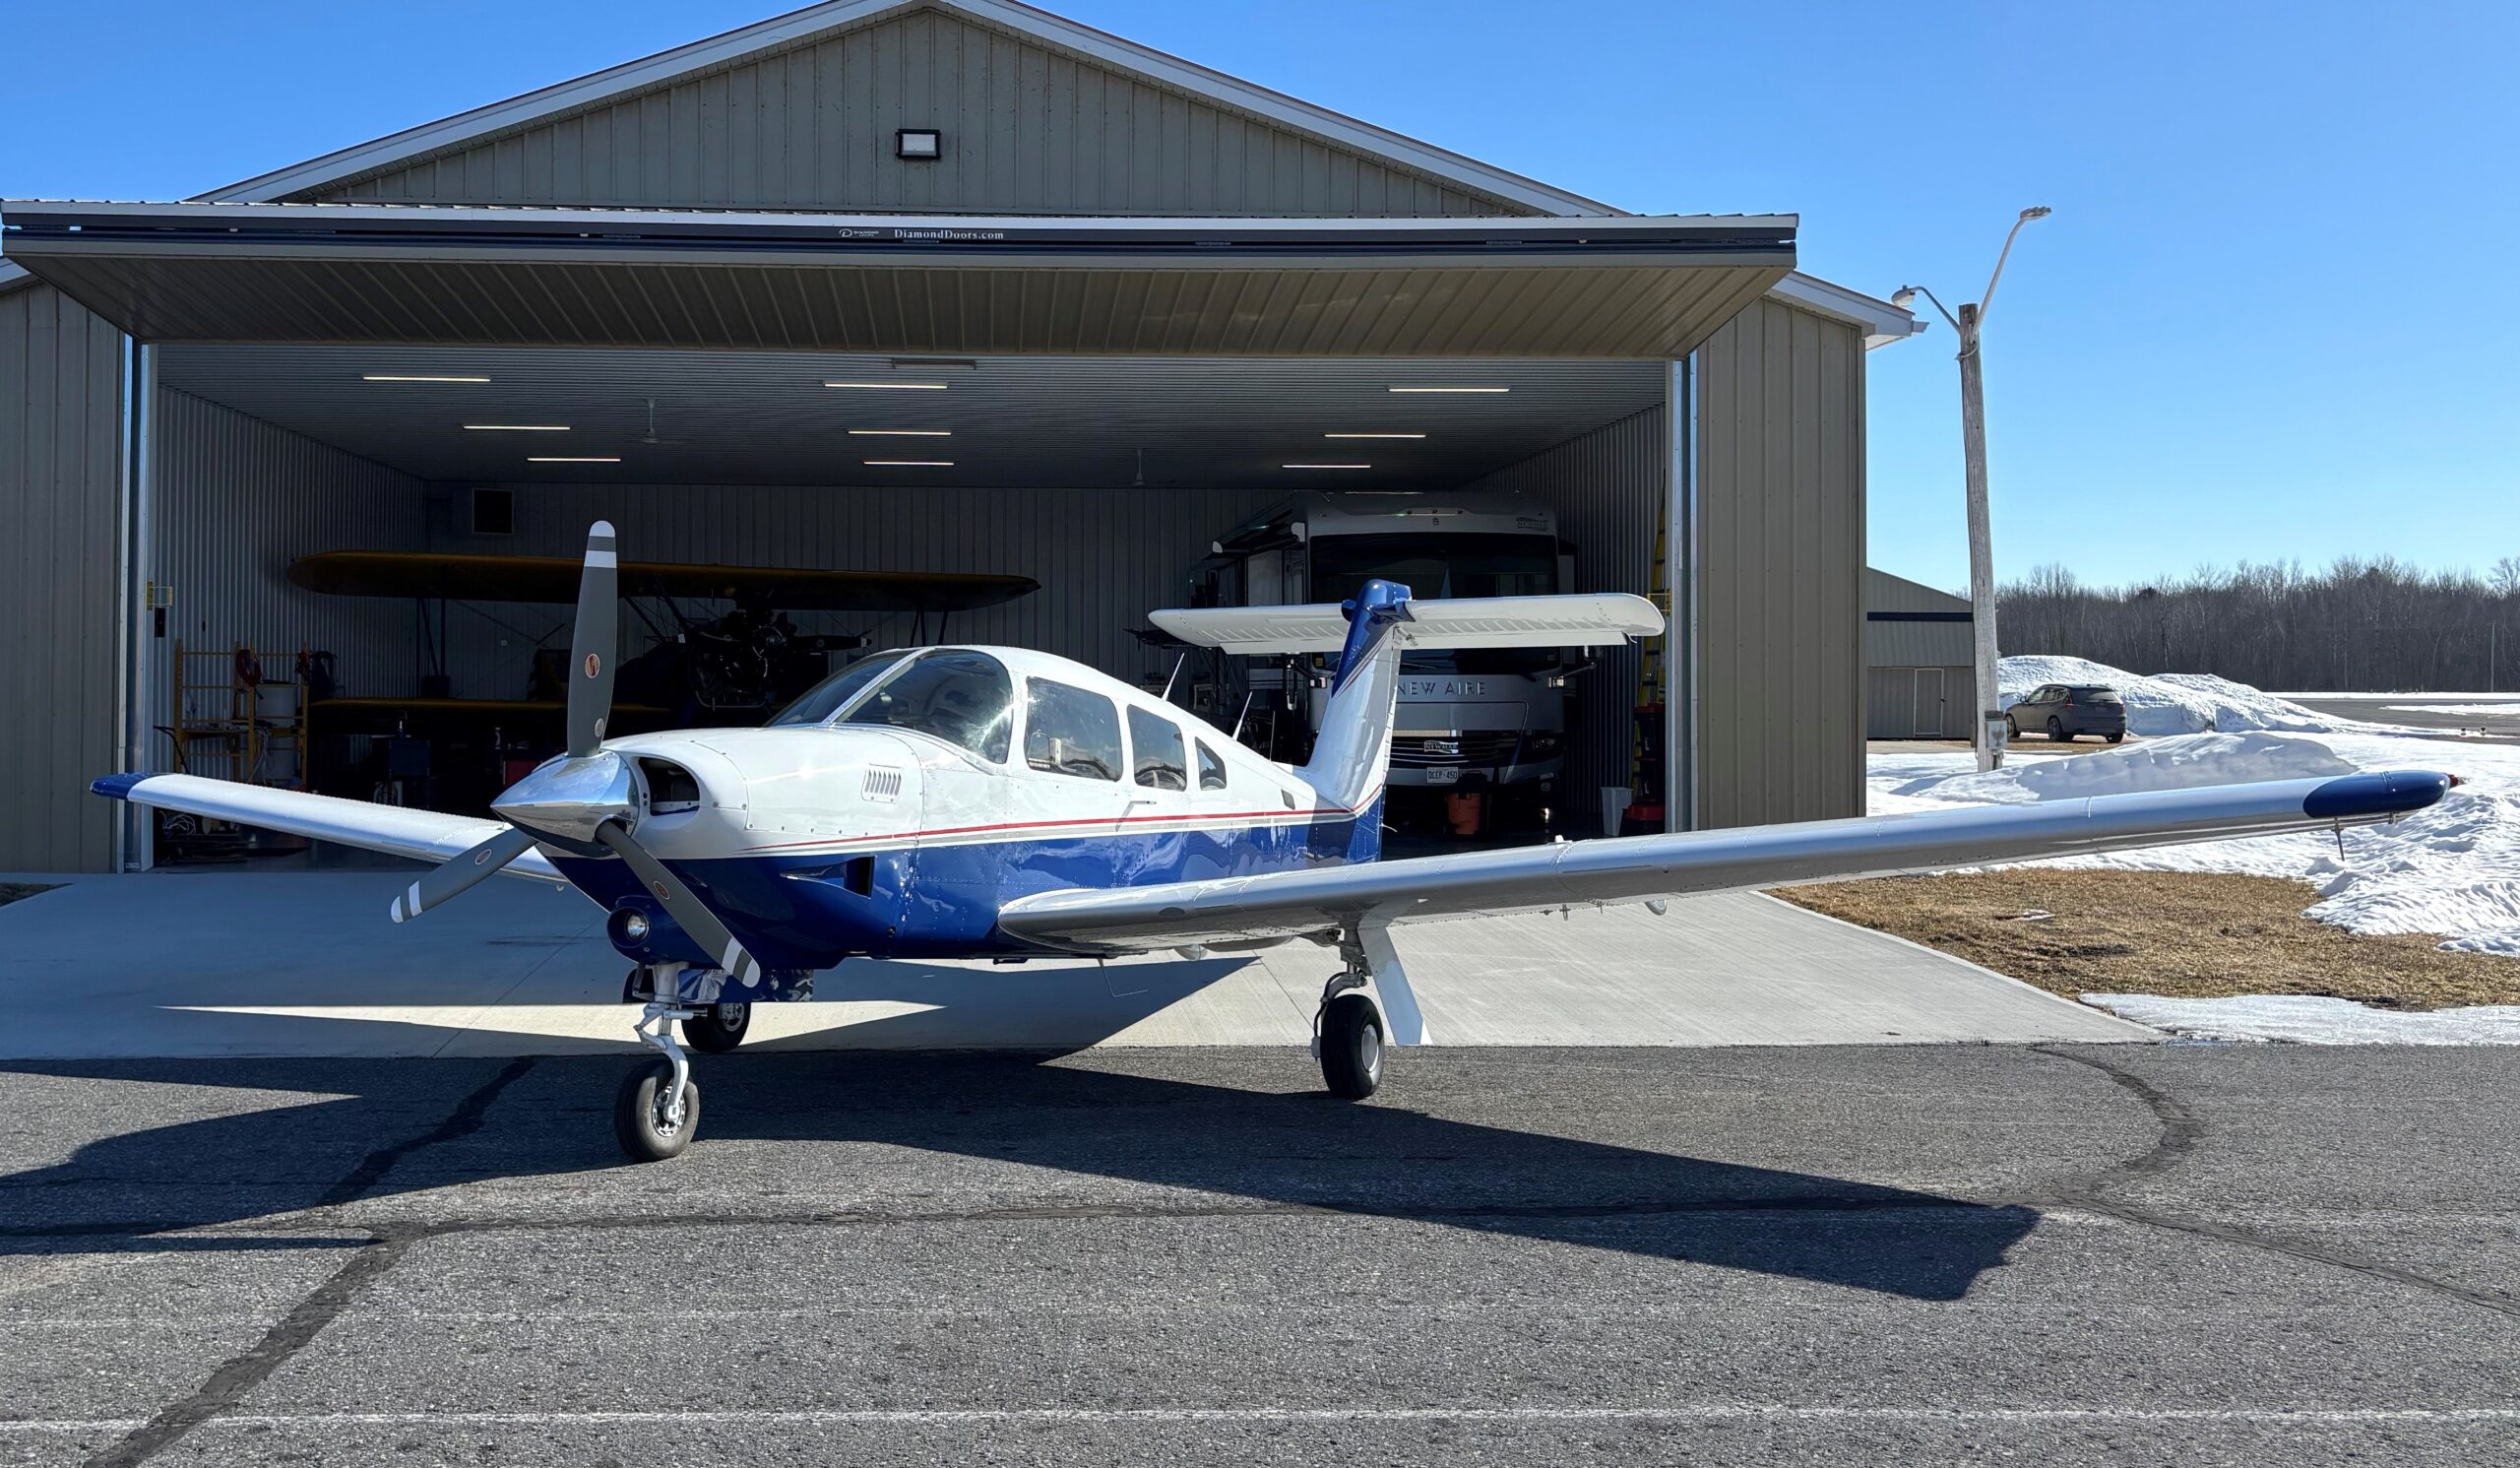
(231, 963)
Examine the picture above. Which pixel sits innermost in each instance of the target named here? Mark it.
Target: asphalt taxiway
(1904, 1254)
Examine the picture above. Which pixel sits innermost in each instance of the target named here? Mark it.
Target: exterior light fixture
(417, 377)
(918, 144)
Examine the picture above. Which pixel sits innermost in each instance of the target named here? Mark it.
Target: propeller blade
(682, 904)
(459, 873)
(591, 650)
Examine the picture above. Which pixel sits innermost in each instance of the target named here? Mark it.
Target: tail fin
(1354, 748)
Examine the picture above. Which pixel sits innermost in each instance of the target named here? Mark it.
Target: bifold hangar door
(1627, 286)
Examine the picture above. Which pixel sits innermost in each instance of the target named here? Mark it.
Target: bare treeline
(2359, 626)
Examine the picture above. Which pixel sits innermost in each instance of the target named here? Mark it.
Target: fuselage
(899, 821)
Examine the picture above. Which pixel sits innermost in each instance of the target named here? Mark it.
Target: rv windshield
(1437, 564)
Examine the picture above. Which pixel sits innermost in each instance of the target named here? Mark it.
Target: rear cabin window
(1156, 742)
(1070, 731)
(1211, 768)
(963, 698)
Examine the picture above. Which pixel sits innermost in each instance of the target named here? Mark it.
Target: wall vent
(883, 783)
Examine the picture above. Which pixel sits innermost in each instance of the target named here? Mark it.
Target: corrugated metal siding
(237, 499)
(1781, 592)
(1105, 559)
(1893, 708)
(1891, 644)
(60, 481)
(1028, 129)
(1607, 486)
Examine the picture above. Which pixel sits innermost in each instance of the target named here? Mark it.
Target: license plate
(1442, 774)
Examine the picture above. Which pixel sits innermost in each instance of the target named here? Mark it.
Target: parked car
(2063, 711)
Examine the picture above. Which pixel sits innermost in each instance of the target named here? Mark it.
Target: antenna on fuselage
(1236, 735)
(1175, 676)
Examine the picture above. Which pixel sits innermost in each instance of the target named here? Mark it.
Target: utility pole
(1988, 735)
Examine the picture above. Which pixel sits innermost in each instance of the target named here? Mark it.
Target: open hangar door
(1116, 394)
(1106, 481)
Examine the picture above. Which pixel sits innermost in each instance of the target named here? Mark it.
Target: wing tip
(2377, 792)
(116, 787)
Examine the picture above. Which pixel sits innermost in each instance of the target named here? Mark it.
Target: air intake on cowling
(883, 783)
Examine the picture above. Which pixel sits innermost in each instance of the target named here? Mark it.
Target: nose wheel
(657, 1112)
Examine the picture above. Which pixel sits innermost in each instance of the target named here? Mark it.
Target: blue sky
(2268, 319)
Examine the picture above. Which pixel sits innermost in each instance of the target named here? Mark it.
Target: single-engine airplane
(967, 802)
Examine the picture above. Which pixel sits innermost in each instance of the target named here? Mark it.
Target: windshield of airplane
(818, 703)
(958, 695)
(1441, 564)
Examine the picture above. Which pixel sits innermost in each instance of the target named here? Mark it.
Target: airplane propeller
(584, 798)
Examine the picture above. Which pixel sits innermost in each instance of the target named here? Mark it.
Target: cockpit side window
(1070, 731)
(817, 704)
(960, 696)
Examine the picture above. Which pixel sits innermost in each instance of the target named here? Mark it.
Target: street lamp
(1990, 735)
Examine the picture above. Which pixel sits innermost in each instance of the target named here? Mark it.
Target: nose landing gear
(657, 1109)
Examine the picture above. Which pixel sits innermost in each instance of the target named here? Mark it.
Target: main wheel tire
(1352, 1047)
(2056, 731)
(718, 1028)
(638, 1119)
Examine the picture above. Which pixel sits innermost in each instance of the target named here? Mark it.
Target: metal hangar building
(1138, 290)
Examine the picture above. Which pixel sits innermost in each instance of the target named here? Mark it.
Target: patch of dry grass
(11, 891)
(2181, 935)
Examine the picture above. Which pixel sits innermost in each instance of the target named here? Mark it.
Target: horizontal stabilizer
(1594, 620)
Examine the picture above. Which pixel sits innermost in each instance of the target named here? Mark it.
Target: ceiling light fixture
(1373, 435)
(924, 387)
(901, 432)
(417, 377)
(573, 459)
(516, 427)
(1397, 388)
(1325, 466)
(911, 463)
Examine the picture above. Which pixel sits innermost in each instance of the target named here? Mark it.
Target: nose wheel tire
(1350, 1046)
(718, 1028)
(650, 1130)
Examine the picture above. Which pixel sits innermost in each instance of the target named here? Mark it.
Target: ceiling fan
(651, 438)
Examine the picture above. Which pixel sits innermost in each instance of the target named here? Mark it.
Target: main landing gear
(1365, 1008)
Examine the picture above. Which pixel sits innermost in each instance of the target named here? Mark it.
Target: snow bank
(2310, 1020)
(2172, 703)
(2453, 869)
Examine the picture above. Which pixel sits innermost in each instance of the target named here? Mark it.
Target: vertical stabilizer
(1353, 752)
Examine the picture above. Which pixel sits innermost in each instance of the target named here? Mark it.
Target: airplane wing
(553, 579)
(1636, 869)
(395, 830)
(1591, 620)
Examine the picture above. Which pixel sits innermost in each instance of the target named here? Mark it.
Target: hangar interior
(1105, 480)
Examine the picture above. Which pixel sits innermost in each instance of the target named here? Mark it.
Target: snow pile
(2310, 1020)
(2453, 869)
(2182, 762)
(2172, 703)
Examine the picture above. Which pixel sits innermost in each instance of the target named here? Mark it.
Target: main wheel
(2057, 730)
(639, 1115)
(718, 1028)
(1352, 1047)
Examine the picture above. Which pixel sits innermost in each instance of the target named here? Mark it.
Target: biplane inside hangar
(725, 647)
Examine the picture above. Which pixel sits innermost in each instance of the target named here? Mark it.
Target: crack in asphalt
(2181, 1131)
(228, 1386)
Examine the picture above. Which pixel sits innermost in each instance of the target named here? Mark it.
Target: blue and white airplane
(962, 801)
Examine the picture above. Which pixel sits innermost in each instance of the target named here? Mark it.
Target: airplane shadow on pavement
(292, 1134)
